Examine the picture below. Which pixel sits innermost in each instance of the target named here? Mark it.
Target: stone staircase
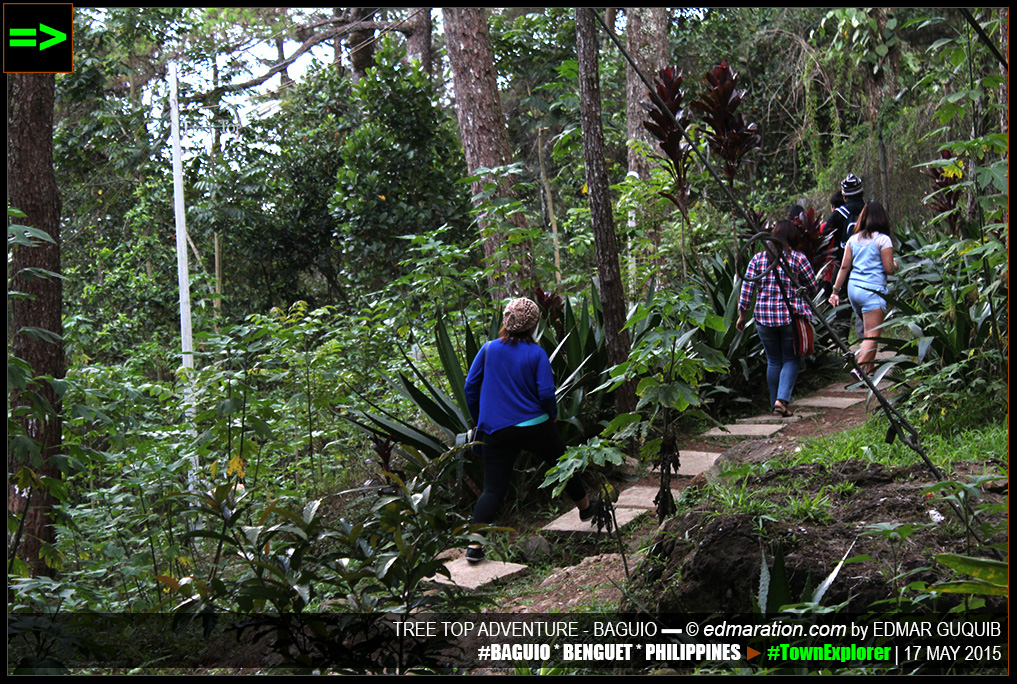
(636, 501)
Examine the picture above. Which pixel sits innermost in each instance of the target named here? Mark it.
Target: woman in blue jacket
(510, 394)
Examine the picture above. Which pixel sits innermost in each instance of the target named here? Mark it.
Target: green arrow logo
(26, 37)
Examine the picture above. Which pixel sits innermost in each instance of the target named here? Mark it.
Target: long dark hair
(785, 231)
(873, 219)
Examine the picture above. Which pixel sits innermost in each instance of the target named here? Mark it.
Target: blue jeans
(781, 362)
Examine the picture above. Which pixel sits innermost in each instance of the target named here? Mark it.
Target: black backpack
(850, 220)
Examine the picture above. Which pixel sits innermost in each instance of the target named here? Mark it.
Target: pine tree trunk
(360, 43)
(484, 136)
(32, 188)
(418, 41)
(612, 293)
(647, 44)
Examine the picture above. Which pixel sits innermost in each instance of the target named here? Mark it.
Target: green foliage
(112, 165)
(576, 459)
(667, 361)
(398, 171)
(441, 402)
(896, 535)
(260, 414)
(277, 563)
(123, 305)
(964, 497)
(989, 577)
(971, 159)
(442, 275)
(857, 33)
(740, 499)
(775, 592)
(32, 401)
(310, 203)
(812, 509)
(952, 298)
(352, 196)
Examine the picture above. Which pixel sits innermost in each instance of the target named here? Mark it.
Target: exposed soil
(718, 557)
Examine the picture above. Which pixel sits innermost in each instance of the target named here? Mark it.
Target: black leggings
(502, 447)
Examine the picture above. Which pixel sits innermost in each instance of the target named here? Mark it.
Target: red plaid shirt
(771, 310)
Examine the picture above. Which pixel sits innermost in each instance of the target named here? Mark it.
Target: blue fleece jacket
(509, 384)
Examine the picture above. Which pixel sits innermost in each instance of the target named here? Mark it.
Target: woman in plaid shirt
(773, 320)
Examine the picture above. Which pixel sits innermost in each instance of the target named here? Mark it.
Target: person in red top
(773, 320)
(829, 269)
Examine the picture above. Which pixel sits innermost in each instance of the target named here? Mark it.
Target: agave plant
(573, 336)
(721, 287)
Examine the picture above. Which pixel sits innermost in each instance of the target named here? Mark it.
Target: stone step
(695, 462)
(848, 387)
(744, 431)
(473, 576)
(640, 497)
(773, 420)
(634, 502)
(820, 401)
(571, 524)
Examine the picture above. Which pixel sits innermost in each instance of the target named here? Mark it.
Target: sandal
(781, 409)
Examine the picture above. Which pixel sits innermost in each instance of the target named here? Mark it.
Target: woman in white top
(868, 257)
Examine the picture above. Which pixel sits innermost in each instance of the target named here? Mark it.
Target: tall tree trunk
(612, 294)
(418, 40)
(360, 43)
(32, 188)
(881, 85)
(1004, 86)
(484, 136)
(647, 44)
(1004, 95)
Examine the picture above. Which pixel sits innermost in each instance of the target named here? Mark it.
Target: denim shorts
(863, 300)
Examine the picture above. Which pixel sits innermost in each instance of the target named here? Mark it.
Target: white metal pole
(632, 242)
(183, 277)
